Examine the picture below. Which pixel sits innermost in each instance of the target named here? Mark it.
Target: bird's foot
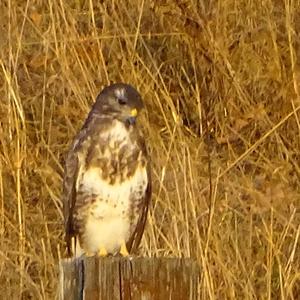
(123, 251)
(102, 252)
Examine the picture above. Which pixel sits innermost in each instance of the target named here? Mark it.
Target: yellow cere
(134, 112)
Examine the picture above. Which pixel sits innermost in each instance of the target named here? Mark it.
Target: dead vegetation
(221, 82)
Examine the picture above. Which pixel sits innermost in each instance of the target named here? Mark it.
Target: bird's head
(120, 100)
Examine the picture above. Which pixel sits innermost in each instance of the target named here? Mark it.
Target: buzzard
(107, 182)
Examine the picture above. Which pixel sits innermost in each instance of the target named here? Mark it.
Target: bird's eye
(121, 101)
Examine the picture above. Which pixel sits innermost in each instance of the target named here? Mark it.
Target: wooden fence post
(134, 278)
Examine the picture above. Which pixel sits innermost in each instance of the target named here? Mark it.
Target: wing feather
(69, 187)
(135, 239)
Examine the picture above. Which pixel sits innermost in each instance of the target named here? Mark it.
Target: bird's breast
(117, 194)
(114, 152)
(112, 171)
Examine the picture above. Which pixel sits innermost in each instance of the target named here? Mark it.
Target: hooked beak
(131, 120)
(133, 112)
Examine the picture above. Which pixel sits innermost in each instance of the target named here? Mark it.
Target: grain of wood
(117, 278)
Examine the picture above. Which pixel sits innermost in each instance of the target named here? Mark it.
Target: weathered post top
(135, 278)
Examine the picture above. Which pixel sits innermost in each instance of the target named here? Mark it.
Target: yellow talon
(102, 252)
(123, 249)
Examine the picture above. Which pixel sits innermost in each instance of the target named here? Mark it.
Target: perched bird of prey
(107, 183)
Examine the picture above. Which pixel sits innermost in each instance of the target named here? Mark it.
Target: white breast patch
(108, 225)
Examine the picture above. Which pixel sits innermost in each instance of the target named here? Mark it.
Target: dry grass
(221, 83)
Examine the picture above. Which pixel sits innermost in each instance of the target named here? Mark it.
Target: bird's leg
(123, 250)
(102, 252)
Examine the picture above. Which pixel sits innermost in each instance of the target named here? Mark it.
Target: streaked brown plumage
(107, 182)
